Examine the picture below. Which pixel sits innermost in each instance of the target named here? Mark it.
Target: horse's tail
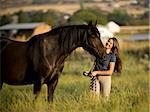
(3, 43)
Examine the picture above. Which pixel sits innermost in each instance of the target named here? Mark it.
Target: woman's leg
(106, 85)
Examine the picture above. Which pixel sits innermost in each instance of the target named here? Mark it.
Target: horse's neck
(61, 58)
(72, 41)
(68, 44)
(65, 53)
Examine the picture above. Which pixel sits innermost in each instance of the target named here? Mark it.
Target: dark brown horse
(40, 60)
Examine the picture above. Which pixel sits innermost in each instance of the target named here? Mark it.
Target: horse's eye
(96, 34)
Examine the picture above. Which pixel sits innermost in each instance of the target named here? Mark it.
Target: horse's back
(13, 60)
(4, 42)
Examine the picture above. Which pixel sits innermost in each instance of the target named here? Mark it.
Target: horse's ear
(95, 23)
(90, 23)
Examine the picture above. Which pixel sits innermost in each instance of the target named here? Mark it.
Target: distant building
(105, 34)
(23, 29)
(113, 27)
(108, 31)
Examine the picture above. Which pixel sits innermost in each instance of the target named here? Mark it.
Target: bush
(5, 19)
(23, 17)
(85, 15)
(119, 16)
(51, 17)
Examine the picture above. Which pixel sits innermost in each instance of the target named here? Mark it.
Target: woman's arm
(93, 66)
(105, 72)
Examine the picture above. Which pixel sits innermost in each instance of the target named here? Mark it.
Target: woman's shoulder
(112, 54)
(113, 57)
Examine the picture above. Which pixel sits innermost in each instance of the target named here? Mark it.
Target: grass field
(130, 90)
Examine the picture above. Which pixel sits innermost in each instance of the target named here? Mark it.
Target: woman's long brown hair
(115, 50)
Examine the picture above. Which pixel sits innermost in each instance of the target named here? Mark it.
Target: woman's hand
(94, 73)
(105, 72)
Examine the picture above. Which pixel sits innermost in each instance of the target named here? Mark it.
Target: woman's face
(109, 44)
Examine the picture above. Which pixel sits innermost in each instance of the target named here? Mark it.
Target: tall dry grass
(130, 90)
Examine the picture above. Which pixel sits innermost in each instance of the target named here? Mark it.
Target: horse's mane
(70, 35)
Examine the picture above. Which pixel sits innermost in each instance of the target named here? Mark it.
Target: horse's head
(92, 42)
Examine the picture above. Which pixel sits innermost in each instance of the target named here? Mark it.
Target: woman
(104, 68)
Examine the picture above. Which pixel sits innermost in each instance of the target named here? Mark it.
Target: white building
(113, 27)
(105, 33)
(108, 31)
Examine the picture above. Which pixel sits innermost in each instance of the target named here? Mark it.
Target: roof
(17, 26)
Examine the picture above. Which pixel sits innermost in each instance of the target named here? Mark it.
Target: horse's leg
(37, 88)
(51, 87)
(40, 80)
(53, 83)
(1, 80)
(1, 84)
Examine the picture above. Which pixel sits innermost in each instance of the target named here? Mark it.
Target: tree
(36, 16)
(51, 17)
(5, 19)
(85, 15)
(81, 4)
(23, 17)
(119, 16)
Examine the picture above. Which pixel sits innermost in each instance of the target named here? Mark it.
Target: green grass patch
(129, 93)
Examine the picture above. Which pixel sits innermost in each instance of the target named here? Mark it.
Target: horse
(40, 60)
(3, 43)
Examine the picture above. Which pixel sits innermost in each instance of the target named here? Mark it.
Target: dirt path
(66, 8)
